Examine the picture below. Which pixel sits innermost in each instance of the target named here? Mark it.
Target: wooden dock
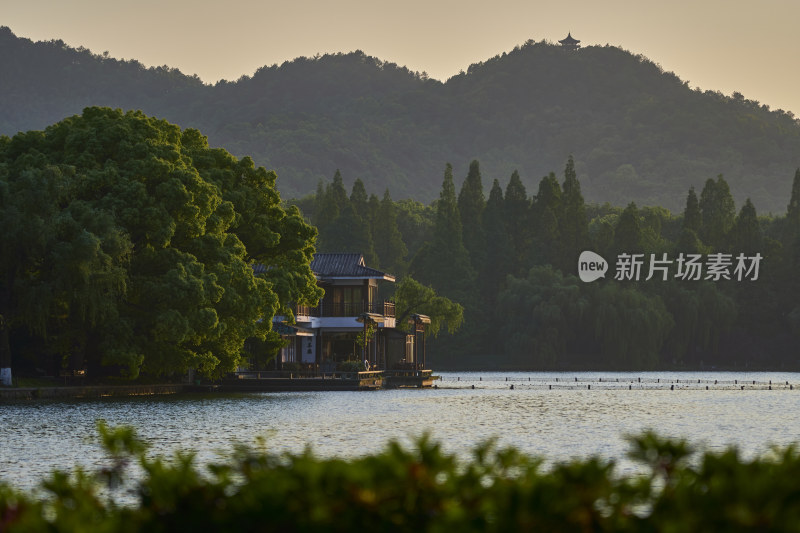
(409, 379)
(335, 381)
(284, 382)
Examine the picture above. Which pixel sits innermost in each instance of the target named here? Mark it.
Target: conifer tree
(791, 239)
(373, 210)
(337, 191)
(498, 247)
(471, 203)
(628, 233)
(573, 224)
(388, 241)
(718, 212)
(747, 237)
(349, 233)
(359, 199)
(544, 212)
(517, 214)
(793, 210)
(692, 217)
(443, 262)
(325, 210)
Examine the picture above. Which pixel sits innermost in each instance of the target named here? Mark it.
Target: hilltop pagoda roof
(569, 40)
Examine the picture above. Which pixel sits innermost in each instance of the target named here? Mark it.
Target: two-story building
(331, 332)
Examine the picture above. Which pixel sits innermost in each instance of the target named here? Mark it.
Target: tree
(746, 233)
(541, 315)
(573, 225)
(545, 214)
(692, 216)
(163, 232)
(412, 297)
(359, 199)
(443, 261)
(498, 248)
(63, 262)
(350, 233)
(471, 204)
(630, 326)
(791, 229)
(517, 213)
(719, 212)
(373, 211)
(389, 245)
(793, 209)
(628, 233)
(415, 221)
(325, 208)
(337, 191)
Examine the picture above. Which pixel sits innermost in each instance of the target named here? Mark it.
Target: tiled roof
(338, 266)
(345, 266)
(569, 39)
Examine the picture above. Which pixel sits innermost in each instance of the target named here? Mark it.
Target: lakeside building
(332, 332)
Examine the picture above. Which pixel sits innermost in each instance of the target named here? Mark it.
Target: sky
(720, 45)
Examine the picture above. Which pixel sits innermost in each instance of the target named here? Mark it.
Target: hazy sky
(727, 45)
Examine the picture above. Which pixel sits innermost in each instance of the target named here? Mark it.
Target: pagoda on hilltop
(569, 43)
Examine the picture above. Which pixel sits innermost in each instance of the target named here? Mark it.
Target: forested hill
(636, 132)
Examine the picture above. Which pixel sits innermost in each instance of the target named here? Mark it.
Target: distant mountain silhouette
(636, 132)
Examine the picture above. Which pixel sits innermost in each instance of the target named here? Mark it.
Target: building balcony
(342, 309)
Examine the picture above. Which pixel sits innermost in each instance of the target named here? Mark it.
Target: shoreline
(93, 391)
(78, 391)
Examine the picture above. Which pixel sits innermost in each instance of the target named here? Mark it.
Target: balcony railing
(345, 309)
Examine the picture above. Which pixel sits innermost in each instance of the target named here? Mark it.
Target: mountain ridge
(636, 133)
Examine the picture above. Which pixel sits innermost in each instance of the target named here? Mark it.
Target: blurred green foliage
(416, 488)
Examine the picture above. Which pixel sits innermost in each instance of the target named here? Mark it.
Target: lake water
(546, 414)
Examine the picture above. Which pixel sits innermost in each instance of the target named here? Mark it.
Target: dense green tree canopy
(129, 242)
(412, 296)
(546, 318)
(444, 262)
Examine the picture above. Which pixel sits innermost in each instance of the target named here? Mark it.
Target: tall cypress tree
(359, 199)
(493, 274)
(793, 210)
(719, 212)
(326, 212)
(443, 262)
(373, 210)
(544, 212)
(337, 191)
(325, 209)
(498, 246)
(692, 217)
(746, 233)
(791, 237)
(573, 223)
(517, 214)
(628, 233)
(388, 240)
(471, 204)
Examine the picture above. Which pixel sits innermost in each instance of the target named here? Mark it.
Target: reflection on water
(558, 424)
